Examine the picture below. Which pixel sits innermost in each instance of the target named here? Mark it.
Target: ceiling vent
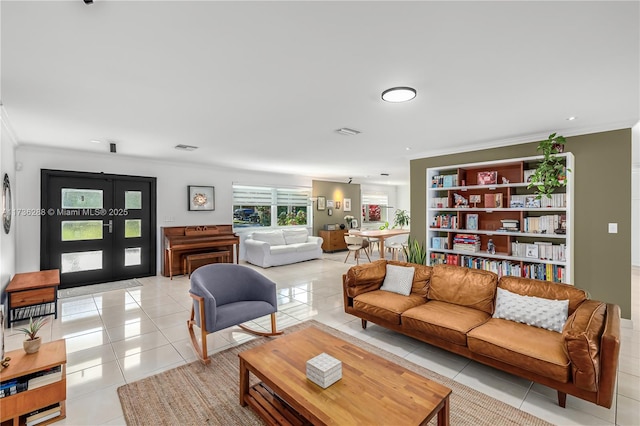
(186, 147)
(348, 132)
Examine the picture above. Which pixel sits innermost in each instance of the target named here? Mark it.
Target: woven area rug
(97, 288)
(194, 394)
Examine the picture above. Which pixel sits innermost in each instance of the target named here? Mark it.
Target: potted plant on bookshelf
(551, 172)
(32, 344)
(415, 252)
(401, 219)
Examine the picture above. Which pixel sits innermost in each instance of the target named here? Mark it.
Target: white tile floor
(121, 336)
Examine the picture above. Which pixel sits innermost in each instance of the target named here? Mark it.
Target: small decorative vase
(32, 346)
(342, 226)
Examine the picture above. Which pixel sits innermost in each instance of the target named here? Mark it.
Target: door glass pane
(78, 230)
(81, 198)
(81, 261)
(132, 256)
(132, 200)
(133, 228)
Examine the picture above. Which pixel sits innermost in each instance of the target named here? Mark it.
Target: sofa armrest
(363, 278)
(592, 343)
(314, 239)
(257, 245)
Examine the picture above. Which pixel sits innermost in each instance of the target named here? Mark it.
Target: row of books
(443, 259)
(544, 224)
(43, 414)
(444, 181)
(531, 202)
(440, 243)
(440, 202)
(447, 221)
(543, 250)
(539, 271)
(31, 381)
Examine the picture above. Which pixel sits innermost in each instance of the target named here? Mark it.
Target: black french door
(97, 227)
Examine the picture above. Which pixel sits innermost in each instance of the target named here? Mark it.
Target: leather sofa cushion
(386, 305)
(363, 278)
(473, 288)
(544, 289)
(582, 337)
(421, 277)
(534, 349)
(445, 320)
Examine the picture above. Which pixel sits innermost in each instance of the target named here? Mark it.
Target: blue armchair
(225, 295)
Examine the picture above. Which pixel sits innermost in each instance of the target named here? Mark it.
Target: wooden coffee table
(372, 390)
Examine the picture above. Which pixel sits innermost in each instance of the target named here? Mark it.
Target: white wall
(7, 241)
(172, 182)
(635, 196)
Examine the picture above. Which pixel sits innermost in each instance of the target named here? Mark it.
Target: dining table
(380, 234)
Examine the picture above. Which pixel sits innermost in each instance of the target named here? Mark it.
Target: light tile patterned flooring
(121, 336)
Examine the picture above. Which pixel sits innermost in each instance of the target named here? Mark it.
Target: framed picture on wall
(347, 204)
(201, 198)
(322, 203)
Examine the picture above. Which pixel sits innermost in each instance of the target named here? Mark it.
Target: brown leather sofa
(451, 307)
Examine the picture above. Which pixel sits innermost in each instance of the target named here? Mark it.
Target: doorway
(97, 227)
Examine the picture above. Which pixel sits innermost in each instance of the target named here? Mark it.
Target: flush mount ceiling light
(347, 131)
(571, 118)
(186, 147)
(399, 94)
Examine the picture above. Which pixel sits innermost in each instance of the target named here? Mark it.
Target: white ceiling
(263, 85)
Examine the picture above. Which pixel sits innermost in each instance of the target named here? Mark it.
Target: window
(255, 206)
(374, 207)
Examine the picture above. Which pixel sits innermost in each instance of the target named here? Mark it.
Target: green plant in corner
(415, 252)
(550, 173)
(34, 327)
(401, 219)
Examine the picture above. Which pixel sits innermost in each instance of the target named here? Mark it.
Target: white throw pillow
(531, 310)
(273, 238)
(398, 279)
(295, 236)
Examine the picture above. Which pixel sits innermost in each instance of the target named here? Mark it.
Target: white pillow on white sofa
(398, 279)
(273, 238)
(531, 310)
(295, 236)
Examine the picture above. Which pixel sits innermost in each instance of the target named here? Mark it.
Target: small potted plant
(32, 343)
(551, 172)
(401, 219)
(349, 219)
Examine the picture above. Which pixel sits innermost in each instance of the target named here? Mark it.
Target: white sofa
(281, 247)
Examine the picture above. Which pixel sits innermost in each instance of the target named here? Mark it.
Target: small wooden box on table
(33, 294)
(15, 408)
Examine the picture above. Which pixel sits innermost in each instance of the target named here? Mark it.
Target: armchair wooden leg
(274, 331)
(364, 323)
(200, 351)
(562, 399)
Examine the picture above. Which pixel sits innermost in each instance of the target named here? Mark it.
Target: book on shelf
(12, 387)
(531, 202)
(45, 377)
(528, 174)
(44, 412)
(492, 201)
(440, 202)
(447, 221)
(45, 418)
(439, 243)
(472, 222)
(444, 181)
(531, 250)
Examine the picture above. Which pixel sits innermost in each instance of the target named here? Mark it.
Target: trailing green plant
(415, 252)
(401, 219)
(551, 172)
(34, 326)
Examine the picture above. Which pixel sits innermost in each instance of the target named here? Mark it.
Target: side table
(33, 294)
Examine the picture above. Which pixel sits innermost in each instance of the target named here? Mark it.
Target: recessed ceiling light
(347, 131)
(571, 118)
(95, 141)
(186, 147)
(408, 148)
(399, 94)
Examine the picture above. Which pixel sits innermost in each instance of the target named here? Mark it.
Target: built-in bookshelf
(484, 216)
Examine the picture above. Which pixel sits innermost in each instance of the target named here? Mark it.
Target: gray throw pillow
(398, 279)
(531, 310)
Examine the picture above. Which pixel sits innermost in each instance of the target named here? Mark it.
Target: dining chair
(396, 246)
(355, 245)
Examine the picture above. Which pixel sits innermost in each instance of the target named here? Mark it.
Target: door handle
(110, 225)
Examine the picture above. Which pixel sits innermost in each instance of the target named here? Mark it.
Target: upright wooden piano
(179, 241)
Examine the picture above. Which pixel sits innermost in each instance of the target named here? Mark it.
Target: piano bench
(205, 258)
